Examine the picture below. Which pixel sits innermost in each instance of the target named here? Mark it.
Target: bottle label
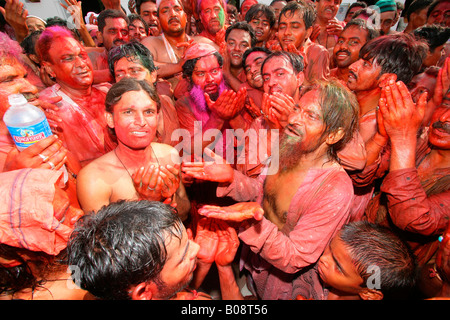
(26, 136)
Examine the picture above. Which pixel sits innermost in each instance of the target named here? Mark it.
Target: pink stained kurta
(274, 258)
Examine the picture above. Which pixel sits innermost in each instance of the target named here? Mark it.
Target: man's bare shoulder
(201, 39)
(97, 167)
(152, 40)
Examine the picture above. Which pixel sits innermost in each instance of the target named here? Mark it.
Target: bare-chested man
(304, 203)
(138, 168)
(165, 48)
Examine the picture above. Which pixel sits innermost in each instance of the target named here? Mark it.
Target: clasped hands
(157, 182)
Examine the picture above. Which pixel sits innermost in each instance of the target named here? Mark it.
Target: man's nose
(27, 88)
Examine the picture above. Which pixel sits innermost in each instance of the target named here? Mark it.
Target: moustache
(174, 19)
(353, 74)
(293, 128)
(443, 126)
(344, 51)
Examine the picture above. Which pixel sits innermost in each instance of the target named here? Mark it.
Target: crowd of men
(212, 150)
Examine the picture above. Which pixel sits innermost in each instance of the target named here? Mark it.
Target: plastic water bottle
(26, 123)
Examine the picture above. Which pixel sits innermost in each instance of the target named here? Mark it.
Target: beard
(198, 95)
(166, 292)
(292, 149)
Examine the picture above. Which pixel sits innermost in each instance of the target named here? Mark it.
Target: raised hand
(228, 244)
(282, 105)
(229, 103)
(237, 212)
(208, 240)
(401, 116)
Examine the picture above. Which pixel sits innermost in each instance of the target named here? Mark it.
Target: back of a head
(400, 54)
(379, 252)
(121, 245)
(434, 35)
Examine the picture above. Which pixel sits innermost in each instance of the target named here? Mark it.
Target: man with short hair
(144, 250)
(439, 13)
(416, 14)
(112, 31)
(212, 16)
(262, 19)
(134, 60)
(396, 57)
(148, 10)
(138, 29)
(238, 38)
(346, 51)
(294, 29)
(436, 36)
(169, 48)
(327, 27)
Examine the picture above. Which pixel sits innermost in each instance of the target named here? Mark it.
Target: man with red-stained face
(212, 15)
(81, 108)
(148, 10)
(295, 26)
(209, 101)
(165, 48)
(112, 31)
(346, 51)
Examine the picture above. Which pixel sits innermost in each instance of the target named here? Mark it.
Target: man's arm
(93, 193)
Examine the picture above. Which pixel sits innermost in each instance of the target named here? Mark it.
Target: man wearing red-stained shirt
(305, 202)
(416, 191)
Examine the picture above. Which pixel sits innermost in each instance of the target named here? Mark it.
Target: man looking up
(327, 27)
(298, 200)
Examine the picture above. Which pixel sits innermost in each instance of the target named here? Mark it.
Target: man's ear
(371, 294)
(308, 32)
(300, 78)
(48, 69)
(335, 136)
(385, 78)
(142, 292)
(109, 119)
(153, 77)
(99, 37)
